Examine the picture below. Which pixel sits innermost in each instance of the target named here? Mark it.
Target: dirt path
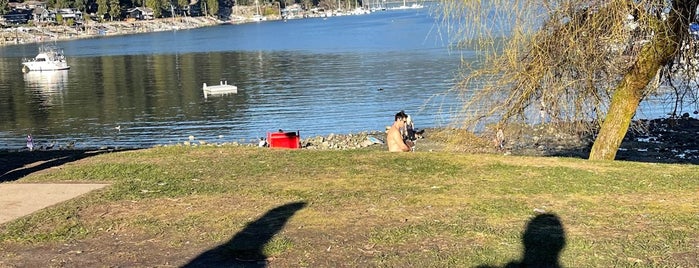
(21, 199)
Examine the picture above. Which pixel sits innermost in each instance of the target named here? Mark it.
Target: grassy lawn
(227, 206)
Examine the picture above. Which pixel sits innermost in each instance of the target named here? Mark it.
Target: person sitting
(394, 136)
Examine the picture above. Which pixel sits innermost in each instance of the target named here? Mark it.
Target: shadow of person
(245, 249)
(543, 239)
(16, 165)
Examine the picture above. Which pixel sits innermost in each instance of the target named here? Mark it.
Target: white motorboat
(49, 59)
(222, 89)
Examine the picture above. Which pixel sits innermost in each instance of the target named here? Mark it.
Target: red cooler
(291, 140)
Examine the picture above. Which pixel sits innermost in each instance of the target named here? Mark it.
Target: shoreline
(45, 34)
(21, 35)
(661, 140)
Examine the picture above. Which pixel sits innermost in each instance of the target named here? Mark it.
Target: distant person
(394, 136)
(30, 143)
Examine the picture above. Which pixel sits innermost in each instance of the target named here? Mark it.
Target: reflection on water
(49, 86)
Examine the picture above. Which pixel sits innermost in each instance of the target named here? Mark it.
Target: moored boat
(49, 59)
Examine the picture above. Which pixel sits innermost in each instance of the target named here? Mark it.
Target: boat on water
(49, 59)
(222, 89)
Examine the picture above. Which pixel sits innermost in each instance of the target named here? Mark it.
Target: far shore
(43, 34)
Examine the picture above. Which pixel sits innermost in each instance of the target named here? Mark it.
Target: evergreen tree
(114, 9)
(63, 3)
(4, 7)
(212, 7)
(156, 6)
(80, 5)
(102, 9)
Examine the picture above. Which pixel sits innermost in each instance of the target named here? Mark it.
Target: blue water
(318, 76)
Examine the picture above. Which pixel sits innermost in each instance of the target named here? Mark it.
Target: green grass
(372, 208)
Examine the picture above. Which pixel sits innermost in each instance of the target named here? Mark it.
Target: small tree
(63, 3)
(4, 7)
(80, 5)
(102, 9)
(156, 6)
(114, 9)
(212, 7)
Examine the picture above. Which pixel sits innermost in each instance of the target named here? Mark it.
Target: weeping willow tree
(586, 63)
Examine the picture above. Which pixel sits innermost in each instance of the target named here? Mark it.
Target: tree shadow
(15, 165)
(543, 240)
(245, 249)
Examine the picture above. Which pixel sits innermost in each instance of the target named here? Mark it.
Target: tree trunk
(629, 92)
(625, 101)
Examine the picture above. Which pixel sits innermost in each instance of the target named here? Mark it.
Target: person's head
(401, 116)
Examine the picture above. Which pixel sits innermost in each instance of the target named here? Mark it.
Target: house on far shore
(140, 13)
(18, 13)
(51, 16)
(71, 14)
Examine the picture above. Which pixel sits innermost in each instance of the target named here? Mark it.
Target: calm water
(318, 76)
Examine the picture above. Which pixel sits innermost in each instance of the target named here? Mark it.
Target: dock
(222, 89)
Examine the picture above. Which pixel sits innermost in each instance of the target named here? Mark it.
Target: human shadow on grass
(15, 165)
(544, 240)
(245, 249)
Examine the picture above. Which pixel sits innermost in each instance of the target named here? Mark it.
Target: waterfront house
(18, 16)
(47, 16)
(70, 14)
(43, 15)
(140, 13)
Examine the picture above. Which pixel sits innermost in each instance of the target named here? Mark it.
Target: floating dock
(222, 89)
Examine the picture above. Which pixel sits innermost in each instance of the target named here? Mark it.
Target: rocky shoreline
(654, 141)
(665, 140)
(26, 35)
(349, 141)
